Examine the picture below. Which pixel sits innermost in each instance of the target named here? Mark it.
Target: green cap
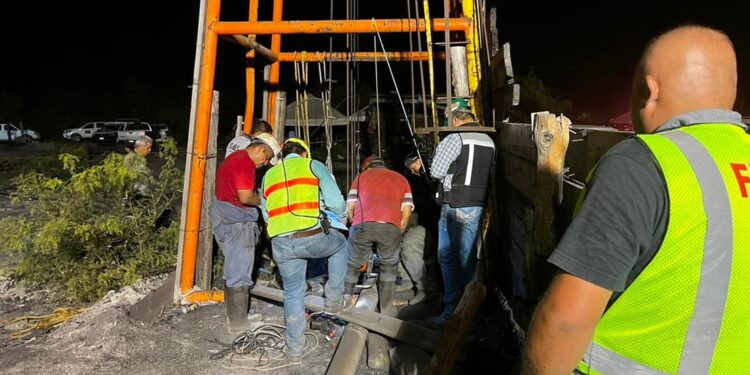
(458, 105)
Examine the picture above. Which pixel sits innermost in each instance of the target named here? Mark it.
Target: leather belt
(307, 233)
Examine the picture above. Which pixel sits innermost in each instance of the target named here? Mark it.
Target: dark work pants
(385, 237)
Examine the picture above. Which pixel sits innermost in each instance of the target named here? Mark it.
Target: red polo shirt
(379, 194)
(236, 172)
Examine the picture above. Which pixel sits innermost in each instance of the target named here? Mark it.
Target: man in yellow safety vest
(296, 192)
(656, 264)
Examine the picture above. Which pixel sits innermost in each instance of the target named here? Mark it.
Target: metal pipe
(250, 70)
(254, 46)
(200, 145)
(273, 81)
(278, 27)
(357, 56)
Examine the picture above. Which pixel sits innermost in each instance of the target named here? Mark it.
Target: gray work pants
(385, 237)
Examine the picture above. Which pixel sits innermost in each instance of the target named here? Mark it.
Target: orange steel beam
(273, 79)
(357, 56)
(250, 75)
(200, 146)
(337, 26)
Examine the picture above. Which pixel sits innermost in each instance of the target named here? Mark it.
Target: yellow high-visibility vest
(292, 197)
(688, 310)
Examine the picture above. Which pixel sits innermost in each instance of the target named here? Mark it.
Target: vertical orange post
(273, 81)
(250, 75)
(200, 145)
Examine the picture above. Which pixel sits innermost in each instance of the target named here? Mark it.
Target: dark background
(65, 63)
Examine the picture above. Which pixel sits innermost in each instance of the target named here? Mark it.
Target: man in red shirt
(234, 217)
(379, 206)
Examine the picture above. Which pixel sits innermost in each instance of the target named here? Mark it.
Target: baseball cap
(458, 105)
(410, 159)
(271, 142)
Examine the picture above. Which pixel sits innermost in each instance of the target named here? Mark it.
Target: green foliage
(91, 231)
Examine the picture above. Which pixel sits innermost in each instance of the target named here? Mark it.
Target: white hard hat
(271, 142)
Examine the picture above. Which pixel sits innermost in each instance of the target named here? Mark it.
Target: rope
(411, 67)
(398, 94)
(325, 95)
(421, 68)
(377, 95)
(33, 322)
(262, 349)
(297, 96)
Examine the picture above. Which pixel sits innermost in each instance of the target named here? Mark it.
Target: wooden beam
(521, 173)
(517, 139)
(394, 328)
(205, 252)
(465, 128)
(551, 135)
(454, 331)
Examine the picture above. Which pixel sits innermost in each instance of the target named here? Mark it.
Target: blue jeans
(292, 255)
(237, 243)
(457, 251)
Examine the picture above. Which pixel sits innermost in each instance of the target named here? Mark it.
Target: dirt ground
(105, 339)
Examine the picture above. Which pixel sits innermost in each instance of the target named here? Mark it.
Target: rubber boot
(385, 291)
(237, 300)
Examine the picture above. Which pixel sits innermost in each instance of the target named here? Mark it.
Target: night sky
(63, 63)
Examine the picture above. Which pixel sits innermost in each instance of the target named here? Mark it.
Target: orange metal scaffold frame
(275, 28)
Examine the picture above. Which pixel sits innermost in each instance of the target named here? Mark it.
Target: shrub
(91, 231)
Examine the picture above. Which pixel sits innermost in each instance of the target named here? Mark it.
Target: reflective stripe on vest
(292, 197)
(681, 332)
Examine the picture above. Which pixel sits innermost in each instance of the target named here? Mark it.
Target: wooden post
(191, 136)
(204, 255)
(551, 136)
(454, 331)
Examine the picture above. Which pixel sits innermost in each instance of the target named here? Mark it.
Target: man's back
(378, 194)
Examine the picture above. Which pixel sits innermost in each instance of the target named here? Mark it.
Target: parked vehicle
(159, 132)
(108, 133)
(132, 130)
(84, 132)
(10, 132)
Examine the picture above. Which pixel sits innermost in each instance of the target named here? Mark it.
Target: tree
(90, 232)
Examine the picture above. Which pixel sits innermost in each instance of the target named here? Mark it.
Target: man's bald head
(685, 69)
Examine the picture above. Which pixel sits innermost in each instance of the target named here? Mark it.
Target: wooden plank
(551, 135)
(200, 39)
(454, 331)
(520, 173)
(204, 254)
(516, 139)
(397, 329)
(465, 128)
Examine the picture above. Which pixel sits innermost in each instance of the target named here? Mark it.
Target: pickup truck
(10, 132)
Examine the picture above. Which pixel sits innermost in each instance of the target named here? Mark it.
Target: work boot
(349, 288)
(237, 301)
(385, 291)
